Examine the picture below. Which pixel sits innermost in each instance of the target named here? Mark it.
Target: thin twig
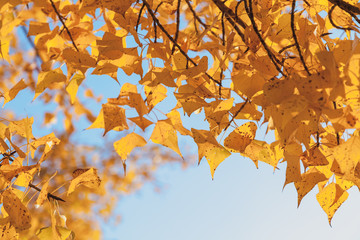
(172, 39)
(138, 20)
(63, 23)
(177, 25)
(295, 37)
(236, 113)
(287, 47)
(347, 7)
(231, 18)
(195, 15)
(250, 14)
(49, 195)
(332, 21)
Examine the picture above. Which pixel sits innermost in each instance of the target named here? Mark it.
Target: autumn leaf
(11, 94)
(308, 181)
(47, 233)
(331, 198)
(86, 177)
(73, 86)
(209, 148)
(19, 215)
(46, 79)
(241, 137)
(125, 145)
(165, 134)
(111, 117)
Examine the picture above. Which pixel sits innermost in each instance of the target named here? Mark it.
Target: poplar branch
(295, 37)
(273, 59)
(172, 39)
(49, 195)
(231, 17)
(63, 23)
(177, 25)
(236, 113)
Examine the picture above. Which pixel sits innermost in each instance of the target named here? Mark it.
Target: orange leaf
(331, 198)
(210, 148)
(308, 182)
(241, 137)
(86, 177)
(165, 134)
(125, 145)
(19, 215)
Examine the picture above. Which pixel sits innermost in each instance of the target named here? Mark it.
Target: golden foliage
(281, 64)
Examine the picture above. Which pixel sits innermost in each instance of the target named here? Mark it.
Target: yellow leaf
(43, 195)
(78, 60)
(87, 177)
(179, 61)
(218, 110)
(347, 155)
(8, 232)
(45, 79)
(47, 233)
(142, 122)
(291, 156)
(194, 72)
(4, 48)
(175, 119)
(154, 95)
(313, 157)
(24, 179)
(73, 86)
(260, 151)
(125, 145)
(241, 137)
(165, 134)
(48, 140)
(277, 90)
(11, 94)
(22, 127)
(210, 148)
(247, 83)
(36, 28)
(19, 215)
(111, 117)
(331, 198)
(308, 181)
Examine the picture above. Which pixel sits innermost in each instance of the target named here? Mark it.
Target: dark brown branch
(337, 133)
(195, 15)
(332, 21)
(295, 37)
(63, 23)
(231, 17)
(49, 195)
(347, 7)
(229, 13)
(172, 39)
(177, 25)
(250, 14)
(287, 47)
(236, 113)
(138, 20)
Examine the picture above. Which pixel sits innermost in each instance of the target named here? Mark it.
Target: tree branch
(231, 17)
(250, 14)
(295, 38)
(63, 23)
(172, 39)
(49, 195)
